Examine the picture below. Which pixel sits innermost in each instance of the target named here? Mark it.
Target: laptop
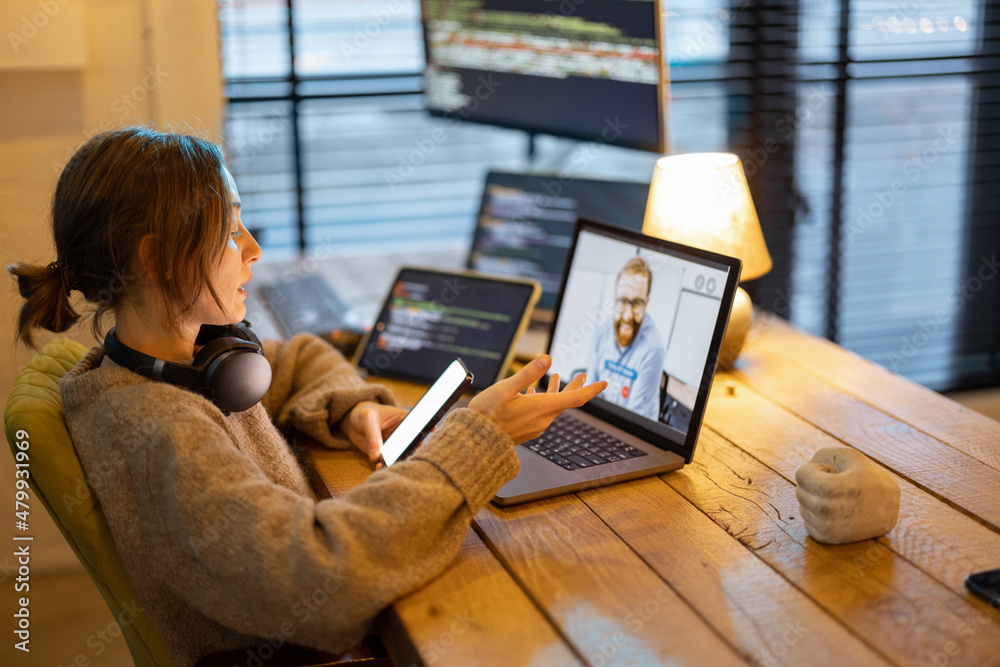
(525, 226)
(647, 315)
(310, 304)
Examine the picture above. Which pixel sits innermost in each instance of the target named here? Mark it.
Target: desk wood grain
(712, 564)
(960, 427)
(475, 609)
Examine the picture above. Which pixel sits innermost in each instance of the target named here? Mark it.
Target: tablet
(430, 317)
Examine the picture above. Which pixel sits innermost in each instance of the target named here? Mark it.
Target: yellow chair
(34, 414)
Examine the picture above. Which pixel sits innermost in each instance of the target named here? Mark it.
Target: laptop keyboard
(309, 304)
(574, 444)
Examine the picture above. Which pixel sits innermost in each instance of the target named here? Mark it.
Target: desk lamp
(703, 200)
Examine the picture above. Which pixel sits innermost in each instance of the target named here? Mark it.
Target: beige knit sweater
(215, 522)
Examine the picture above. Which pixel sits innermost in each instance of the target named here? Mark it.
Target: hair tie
(65, 275)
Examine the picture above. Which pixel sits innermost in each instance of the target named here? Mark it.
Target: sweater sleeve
(255, 556)
(313, 387)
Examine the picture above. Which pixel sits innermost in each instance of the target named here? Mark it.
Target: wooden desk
(711, 565)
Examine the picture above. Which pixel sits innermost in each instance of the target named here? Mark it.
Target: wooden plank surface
(889, 603)
(608, 603)
(914, 455)
(960, 427)
(474, 608)
(921, 564)
(942, 541)
(769, 620)
(712, 564)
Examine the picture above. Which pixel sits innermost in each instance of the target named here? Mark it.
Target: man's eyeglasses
(635, 304)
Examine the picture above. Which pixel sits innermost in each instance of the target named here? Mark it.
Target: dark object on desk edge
(986, 586)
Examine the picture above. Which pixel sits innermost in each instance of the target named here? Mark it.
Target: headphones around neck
(230, 369)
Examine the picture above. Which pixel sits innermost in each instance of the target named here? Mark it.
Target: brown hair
(119, 187)
(636, 265)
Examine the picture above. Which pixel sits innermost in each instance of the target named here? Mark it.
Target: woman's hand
(525, 416)
(368, 423)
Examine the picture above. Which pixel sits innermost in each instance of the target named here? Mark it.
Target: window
(864, 127)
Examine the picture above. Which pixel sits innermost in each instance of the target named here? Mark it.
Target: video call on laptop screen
(642, 320)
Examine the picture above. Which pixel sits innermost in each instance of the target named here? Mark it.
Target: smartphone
(428, 411)
(985, 585)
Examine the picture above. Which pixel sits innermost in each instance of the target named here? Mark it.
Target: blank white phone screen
(424, 410)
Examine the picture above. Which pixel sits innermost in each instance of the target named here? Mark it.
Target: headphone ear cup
(235, 371)
(215, 347)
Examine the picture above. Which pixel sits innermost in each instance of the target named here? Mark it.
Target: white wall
(68, 69)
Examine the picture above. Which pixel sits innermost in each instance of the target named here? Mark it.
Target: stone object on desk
(846, 497)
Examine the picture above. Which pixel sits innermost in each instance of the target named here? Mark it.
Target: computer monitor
(526, 222)
(589, 70)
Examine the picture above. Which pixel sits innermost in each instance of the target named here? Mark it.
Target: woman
(212, 516)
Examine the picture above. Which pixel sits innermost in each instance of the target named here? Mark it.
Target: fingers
(570, 398)
(527, 376)
(590, 391)
(529, 391)
(396, 418)
(577, 382)
(373, 431)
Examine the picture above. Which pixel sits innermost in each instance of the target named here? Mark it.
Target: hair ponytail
(46, 290)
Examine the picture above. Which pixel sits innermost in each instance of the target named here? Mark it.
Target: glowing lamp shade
(703, 200)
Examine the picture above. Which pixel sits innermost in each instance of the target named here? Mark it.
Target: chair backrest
(34, 414)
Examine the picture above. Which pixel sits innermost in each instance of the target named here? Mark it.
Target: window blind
(867, 130)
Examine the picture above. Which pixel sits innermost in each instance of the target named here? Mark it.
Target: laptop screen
(647, 316)
(526, 223)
